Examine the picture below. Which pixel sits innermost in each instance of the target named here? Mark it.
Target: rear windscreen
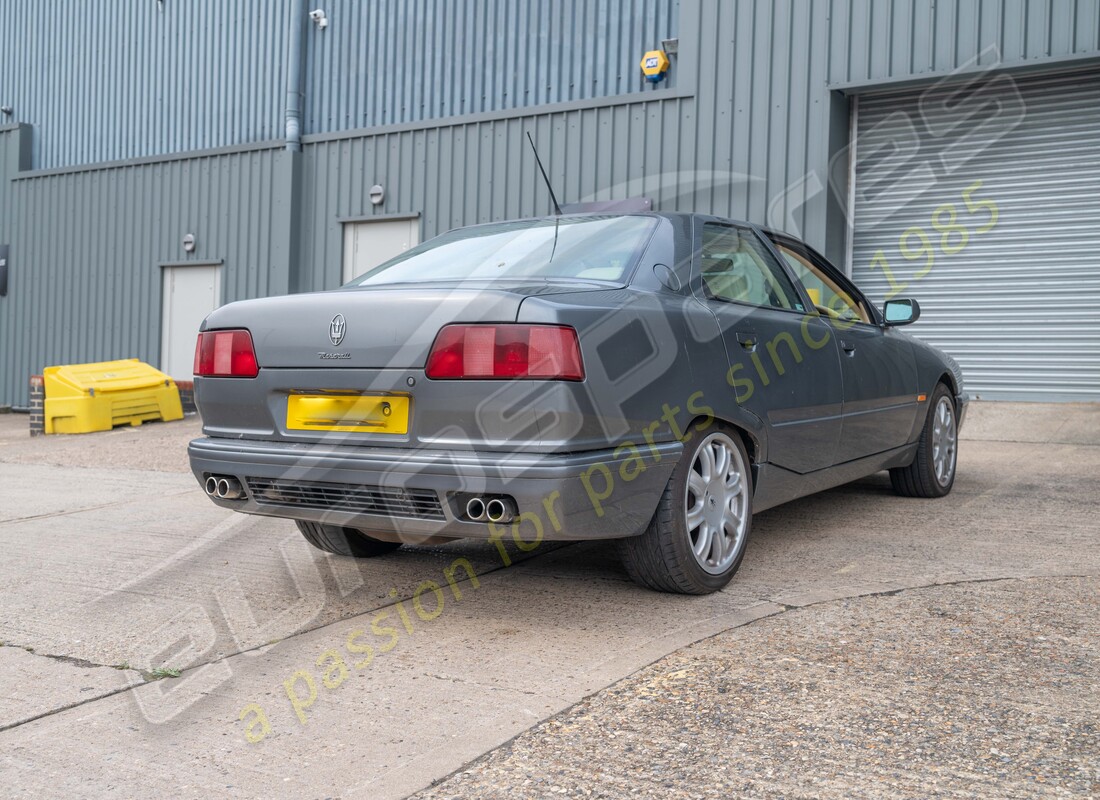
(594, 248)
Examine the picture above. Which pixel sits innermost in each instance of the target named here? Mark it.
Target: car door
(878, 365)
(784, 363)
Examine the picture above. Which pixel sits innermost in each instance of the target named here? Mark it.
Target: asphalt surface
(870, 645)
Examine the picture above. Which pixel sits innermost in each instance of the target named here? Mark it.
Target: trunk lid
(377, 327)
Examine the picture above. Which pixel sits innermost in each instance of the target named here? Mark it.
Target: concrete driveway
(303, 675)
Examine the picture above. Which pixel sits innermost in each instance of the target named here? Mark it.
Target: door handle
(848, 347)
(747, 341)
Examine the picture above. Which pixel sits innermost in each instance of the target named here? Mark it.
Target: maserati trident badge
(336, 330)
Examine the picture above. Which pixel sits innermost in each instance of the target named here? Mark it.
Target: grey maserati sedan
(650, 378)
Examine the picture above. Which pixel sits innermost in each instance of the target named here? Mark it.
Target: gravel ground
(972, 690)
(156, 446)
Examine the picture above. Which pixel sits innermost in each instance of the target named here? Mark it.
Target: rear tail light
(226, 354)
(542, 352)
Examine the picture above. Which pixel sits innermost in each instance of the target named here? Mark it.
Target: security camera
(319, 17)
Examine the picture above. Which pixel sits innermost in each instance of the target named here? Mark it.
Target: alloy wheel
(944, 435)
(716, 503)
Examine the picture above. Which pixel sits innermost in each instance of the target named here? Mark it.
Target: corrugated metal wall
(743, 147)
(104, 81)
(462, 174)
(876, 40)
(1000, 243)
(9, 167)
(393, 61)
(745, 131)
(113, 79)
(85, 282)
(751, 130)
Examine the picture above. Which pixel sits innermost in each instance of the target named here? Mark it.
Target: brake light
(226, 354)
(541, 352)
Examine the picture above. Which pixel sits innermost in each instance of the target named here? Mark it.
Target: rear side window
(737, 267)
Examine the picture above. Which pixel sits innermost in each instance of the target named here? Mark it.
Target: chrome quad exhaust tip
(491, 509)
(475, 510)
(223, 487)
(500, 509)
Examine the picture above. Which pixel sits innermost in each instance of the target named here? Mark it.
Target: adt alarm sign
(655, 65)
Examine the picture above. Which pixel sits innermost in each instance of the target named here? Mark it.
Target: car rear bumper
(598, 494)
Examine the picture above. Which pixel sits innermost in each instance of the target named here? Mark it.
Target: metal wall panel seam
(496, 116)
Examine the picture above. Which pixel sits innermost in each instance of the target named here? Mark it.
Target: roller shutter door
(983, 202)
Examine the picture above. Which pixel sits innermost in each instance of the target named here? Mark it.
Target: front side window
(735, 266)
(594, 248)
(829, 298)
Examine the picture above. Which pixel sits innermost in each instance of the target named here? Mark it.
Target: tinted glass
(597, 248)
(735, 265)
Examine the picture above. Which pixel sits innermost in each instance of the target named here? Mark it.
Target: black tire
(925, 476)
(344, 541)
(663, 558)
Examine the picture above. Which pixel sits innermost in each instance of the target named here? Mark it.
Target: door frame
(219, 284)
(361, 218)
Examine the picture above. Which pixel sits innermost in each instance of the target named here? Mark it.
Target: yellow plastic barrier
(81, 398)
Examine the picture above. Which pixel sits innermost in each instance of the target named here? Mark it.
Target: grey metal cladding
(873, 40)
(462, 174)
(391, 61)
(749, 144)
(104, 81)
(90, 284)
(107, 80)
(744, 124)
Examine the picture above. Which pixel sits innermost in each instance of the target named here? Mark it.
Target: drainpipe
(294, 77)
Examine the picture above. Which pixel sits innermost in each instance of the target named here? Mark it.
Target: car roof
(675, 216)
(671, 215)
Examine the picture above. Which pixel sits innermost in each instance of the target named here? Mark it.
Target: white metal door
(368, 244)
(189, 294)
(983, 203)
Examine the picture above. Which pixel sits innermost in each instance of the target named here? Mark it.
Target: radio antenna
(557, 208)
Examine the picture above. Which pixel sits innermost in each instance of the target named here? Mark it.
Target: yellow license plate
(364, 413)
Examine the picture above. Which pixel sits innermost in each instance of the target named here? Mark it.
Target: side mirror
(901, 312)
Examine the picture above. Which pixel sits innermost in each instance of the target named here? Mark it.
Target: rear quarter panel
(655, 372)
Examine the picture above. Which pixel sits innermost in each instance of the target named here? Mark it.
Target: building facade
(160, 158)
